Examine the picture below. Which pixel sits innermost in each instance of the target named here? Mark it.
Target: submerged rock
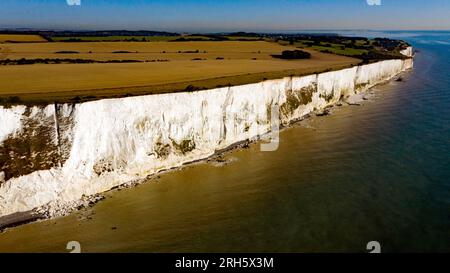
(220, 162)
(325, 112)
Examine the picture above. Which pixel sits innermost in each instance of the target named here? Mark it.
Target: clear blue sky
(226, 15)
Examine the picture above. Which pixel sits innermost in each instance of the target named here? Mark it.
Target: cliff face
(58, 153)
(409, 52)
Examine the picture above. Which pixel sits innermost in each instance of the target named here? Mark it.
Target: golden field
(173, 51)
(18, 38)
(239, 63)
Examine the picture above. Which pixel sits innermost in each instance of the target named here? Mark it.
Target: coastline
(19, 218)
(47, 212)
(77, 198)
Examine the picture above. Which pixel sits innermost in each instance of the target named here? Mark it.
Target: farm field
(164, 67)
(19, 38)
(144, 51)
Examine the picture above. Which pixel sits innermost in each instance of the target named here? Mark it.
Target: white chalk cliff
(409, 52)
(75, 150)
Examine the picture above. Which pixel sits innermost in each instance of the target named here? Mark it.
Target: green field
(340, 49)
(335, 49)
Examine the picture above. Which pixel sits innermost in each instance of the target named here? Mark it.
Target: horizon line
(212, 32)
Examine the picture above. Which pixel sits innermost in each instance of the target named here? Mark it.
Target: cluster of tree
(377, 56)
(104, 33)
(293, 55)
(157, 61)
(73, 40)
(201, 37)
(215, 38)
(78, 40)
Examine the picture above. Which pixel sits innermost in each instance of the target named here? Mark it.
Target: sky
(226, 15)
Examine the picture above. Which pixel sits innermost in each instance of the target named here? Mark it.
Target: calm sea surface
(380, 171)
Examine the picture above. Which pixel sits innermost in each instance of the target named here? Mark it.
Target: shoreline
(18, 219)
(49, 211)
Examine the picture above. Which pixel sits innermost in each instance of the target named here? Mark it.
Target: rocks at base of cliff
(324, 112)
(18, 218)
(357, 99)
(220, 161)
(55, 209)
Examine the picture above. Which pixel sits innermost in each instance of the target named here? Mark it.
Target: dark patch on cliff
(33, 148)
(64, 125)
(294, 99)
(184, 146)
(43, 142)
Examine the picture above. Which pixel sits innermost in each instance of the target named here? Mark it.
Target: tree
(295, 54)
